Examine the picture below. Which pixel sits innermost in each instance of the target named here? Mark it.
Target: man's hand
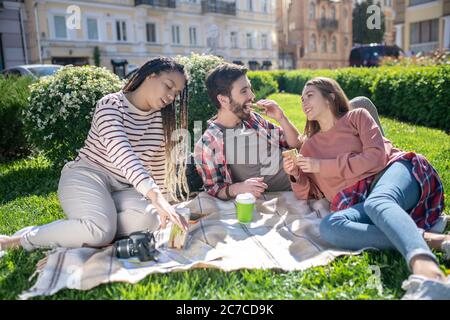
(255, 186)
(271, 109)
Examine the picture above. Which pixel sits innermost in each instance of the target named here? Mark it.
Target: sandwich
(293, 153)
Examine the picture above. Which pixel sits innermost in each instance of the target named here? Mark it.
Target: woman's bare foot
(9, 243)
(426, 267)
(435, 240)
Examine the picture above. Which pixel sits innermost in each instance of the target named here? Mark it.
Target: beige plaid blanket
(284, 235)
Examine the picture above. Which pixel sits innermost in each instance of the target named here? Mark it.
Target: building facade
(13, 50)
(129, 32)
(422, 25)
(314, 33)
(387, 6)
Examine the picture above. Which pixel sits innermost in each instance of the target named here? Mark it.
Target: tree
(97, 56)
(361, 32)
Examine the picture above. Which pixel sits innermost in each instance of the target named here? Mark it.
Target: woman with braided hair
(122, 178)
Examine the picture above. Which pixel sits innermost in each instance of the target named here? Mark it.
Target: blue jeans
(382, 220)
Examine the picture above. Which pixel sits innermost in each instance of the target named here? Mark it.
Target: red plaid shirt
(209, 154)
(431, 202)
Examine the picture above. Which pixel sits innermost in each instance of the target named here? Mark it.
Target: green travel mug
(245, 205)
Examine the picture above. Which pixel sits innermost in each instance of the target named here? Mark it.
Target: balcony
(221, 7)
(424, 47)
(417, 2)
(156, 3)
(327, 24)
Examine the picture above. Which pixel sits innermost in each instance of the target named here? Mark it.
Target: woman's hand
(290, 167)
(308, 165)
(271, 109)
(165, 210)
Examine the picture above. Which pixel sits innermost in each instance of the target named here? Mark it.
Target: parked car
(33, 70)
(370, 55)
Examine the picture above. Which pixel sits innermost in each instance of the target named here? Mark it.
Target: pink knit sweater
(352, 150)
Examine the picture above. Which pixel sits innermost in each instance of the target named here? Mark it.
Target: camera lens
(124, 248)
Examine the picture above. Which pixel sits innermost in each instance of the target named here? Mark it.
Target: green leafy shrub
(60, 109)
(14, 93)
(418, 95)
(263, 84)
(200, 107)
(357, 81)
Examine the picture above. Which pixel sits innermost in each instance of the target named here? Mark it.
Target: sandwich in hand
(293, 153)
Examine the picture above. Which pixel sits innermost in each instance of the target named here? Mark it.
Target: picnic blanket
(284, 235)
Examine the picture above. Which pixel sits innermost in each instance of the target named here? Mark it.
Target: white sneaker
(421, 288)
(440, 225)
(3, 252)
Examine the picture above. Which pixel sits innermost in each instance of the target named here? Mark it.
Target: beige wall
(136, 50)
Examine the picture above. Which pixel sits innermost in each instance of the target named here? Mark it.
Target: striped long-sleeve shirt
(127, 142)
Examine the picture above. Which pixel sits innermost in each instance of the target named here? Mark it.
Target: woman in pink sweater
(381, 197)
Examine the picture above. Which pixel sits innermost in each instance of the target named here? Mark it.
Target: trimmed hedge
(263, 84)
(417, 95)
(58, 115)
(14, 93)
(200, 107)
(420, 95)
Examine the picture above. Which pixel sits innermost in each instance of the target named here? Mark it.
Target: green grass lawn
(28, 197)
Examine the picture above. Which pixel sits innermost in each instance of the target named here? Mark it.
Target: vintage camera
(138, 244)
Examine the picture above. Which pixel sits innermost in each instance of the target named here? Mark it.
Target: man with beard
(240, 151)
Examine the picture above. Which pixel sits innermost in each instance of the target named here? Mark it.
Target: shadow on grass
(28, 181)
(15, 269)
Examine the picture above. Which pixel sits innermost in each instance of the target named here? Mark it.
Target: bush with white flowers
(197, 67)
(61, 107)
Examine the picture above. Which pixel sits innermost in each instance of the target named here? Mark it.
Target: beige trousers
(98, 208)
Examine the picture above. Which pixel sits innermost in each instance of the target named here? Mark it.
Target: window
(312, 11)
(193, 36)
(333, 13)
(264, 44)
(234, 39)
(312, 43)
(323, 44)
(176, 35)
(2, 62)
(334, 45)
(92, 28)
(249, 41)
(121, 30)
(150, 29)
(323, 12)
(250, 5)
(60, 27)
(424, 31)
(417, 2)
(265, 6)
